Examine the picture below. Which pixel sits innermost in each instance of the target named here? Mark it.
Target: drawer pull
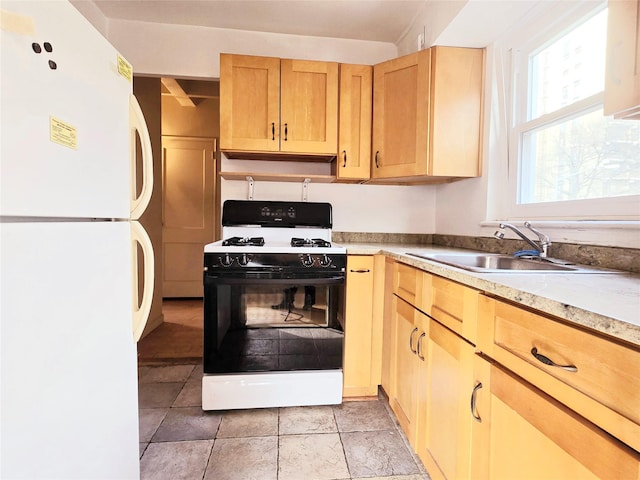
(548, 361)
(360, 270)
(411, 340)
(474, 413)
(419, 346)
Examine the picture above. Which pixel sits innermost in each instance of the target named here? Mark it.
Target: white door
(188, 212)
(69, 391)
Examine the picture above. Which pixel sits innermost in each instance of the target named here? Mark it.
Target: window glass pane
(587, 156)
(570, 69)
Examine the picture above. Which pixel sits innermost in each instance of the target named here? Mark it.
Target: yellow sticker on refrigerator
(62, 133)
(125, 68)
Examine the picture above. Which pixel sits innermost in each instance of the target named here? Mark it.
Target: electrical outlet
(421, 41)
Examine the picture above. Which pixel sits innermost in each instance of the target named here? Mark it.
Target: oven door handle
(260, 280)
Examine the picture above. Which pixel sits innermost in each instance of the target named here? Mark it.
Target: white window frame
(548, 27)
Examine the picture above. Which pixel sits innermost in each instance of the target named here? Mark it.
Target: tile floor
(178, 440)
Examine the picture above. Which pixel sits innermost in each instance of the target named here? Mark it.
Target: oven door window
(282, 327)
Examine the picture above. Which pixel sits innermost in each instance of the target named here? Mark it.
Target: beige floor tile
(196, 374)
(169, 373)
(175, 460)
(298, 420)
(377, 453)
(158, 395)
(149, 419)
(362, 416)
(249, 423)
(311, 457)
(190, 395)
(254, 458)
(187, 423)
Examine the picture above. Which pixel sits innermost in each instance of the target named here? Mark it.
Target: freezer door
(69, 399)
(65, 116)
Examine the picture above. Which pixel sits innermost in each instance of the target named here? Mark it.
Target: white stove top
(276, 240)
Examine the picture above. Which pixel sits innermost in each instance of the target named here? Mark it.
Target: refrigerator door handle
(138, 124)
(142, 309)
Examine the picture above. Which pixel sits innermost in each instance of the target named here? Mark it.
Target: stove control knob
(244, 259)
(325, 261)
(226, 260)
(307, 260)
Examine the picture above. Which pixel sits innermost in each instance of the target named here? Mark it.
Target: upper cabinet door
(622, 74)
(309, 103)
(249, 103)
(354, 137)
(400, 116)
(427, 115)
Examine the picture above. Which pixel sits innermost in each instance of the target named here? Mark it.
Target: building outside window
(566, 159)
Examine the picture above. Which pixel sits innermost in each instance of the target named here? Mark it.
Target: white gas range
(272, 292)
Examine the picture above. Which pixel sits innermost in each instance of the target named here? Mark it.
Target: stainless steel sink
(496, 263)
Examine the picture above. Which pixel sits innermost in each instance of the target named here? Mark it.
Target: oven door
(257, 321)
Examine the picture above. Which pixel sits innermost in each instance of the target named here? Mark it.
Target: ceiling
(372, 20)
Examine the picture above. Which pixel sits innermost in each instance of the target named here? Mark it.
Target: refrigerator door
(69, 394)
(65, 111)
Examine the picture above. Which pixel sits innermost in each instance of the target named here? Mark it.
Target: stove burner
(306, 242)
(243, 241)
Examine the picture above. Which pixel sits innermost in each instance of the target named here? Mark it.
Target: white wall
(187, 51)
(193, 52)
(356, 208)
(457, 208)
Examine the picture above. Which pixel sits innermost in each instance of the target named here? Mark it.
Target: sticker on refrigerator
(62, 133)
(125, 68)
(16, 23)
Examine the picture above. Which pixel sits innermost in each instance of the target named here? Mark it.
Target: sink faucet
(543, 240)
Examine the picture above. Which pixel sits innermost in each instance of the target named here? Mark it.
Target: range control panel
(276, 214)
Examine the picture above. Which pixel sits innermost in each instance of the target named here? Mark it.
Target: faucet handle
(543, 238)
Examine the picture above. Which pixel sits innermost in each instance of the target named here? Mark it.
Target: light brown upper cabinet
(427, 116)
(271, 105)
(622, 74)
(354, 135)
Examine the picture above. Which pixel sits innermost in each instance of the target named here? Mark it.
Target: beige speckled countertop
(607, 303)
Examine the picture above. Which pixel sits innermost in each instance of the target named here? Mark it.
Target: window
(566, 159)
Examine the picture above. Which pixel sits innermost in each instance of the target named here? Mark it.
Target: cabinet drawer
(452, 304)
(407, 283)
(595, 376)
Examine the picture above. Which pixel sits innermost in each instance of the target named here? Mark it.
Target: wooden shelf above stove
(278, 177)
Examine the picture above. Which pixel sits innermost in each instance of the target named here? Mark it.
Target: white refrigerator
(70, 313)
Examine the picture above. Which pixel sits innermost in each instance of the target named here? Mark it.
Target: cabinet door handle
(344, 152)
(286, 130)
(411, 340)
(547, 361)
(474, 413)
(273, 131)
(419, 346)
(360, 270)
(377, 155)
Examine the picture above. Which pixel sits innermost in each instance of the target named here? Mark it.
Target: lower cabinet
(471, 385)
(407, 354)
(521, 432)
(363, 327)
(444, 435)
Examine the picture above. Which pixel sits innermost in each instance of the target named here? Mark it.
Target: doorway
(190, 181)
